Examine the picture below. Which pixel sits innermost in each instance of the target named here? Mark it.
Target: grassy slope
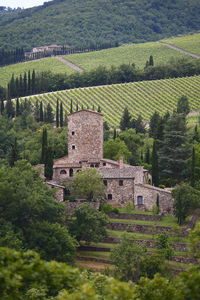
(143, 97)
(45, 64)
(189, 42)
(133, 53)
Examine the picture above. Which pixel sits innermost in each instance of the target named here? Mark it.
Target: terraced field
(45, 64)
(97, 255)
(189, 42)
(143, 97)
(133, 53)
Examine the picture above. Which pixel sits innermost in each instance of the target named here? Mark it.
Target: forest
(86, 23)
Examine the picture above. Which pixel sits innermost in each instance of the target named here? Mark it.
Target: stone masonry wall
(120, 194)
(149, 194)
(85, 135)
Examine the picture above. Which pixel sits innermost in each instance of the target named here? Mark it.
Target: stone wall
(150, 194)
(85, 135)
(70, 207)
(142, 217)
(120, 194)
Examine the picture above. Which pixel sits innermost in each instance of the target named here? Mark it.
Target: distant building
(123, 182)
(50, 48)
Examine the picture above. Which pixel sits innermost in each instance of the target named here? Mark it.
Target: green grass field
(143, 97)
(40, 65)
(133, 53)
(189, 42)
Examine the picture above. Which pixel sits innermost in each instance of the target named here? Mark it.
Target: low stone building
(123, 182)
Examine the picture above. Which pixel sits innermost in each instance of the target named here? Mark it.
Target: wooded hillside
(85, 22)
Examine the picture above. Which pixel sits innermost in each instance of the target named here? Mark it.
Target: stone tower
(85, 136)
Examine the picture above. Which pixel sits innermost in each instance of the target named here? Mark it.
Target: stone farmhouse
(123, 182)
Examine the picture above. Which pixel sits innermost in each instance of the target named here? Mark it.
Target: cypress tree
(174, 150)
(10, 109)
(151, 62)
(82, 107)
(44, 146)
(99, 109)
(33, 82)
(49, 112)
(183, 105)
(154, 159)
(57, 114)
(25, 87)
(2, 107)
(114, 134)
(61, 115)
(37, 111)
(77, 106)
(14, 154)
(192, 179)
(41, 112)
(48, 167)
(71, 107)
(196, 134)
(125, 120)
(17, 107)
(147, 156)
(154, 125)
(21, 88)
(29, 83)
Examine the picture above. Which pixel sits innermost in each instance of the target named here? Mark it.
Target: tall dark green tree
(174, 150)
(57, 114)
(183, 105)
(44, 145)
(48, 166)
(10, 109)
(49, 114)
(192, 177)
(17, 108)
(61, 114)
(125, 120)
(154, 125)
(139, 125)
(2, 107)
(151, 61)
(154, 160)
(33, 82)
(14, 153)
(147, 156)
(37, 111)
(71, 107)
(41, 112)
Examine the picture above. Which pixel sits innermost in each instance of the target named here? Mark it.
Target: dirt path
(180, 50)
(69, 63)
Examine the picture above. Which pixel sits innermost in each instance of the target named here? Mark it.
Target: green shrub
(108, 208)
(155, 210)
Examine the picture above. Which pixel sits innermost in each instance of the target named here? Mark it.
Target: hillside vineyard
(143, 98)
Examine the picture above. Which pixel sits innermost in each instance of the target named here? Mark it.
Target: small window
(91, 166)
(73, 133)
(63, 172)
(73, 147)
(140, 200)
(96, 165)
(67, 192)
(109, 196)
(105, 182)
(104, 164)
(121, 183)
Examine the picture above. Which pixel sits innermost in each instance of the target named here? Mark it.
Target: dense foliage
(28, 208)
(26, 276)
(91, 22)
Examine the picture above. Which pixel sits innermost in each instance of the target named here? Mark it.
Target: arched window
(63, 172)
(71, 172)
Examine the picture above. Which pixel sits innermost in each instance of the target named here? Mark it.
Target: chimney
(121, 162)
